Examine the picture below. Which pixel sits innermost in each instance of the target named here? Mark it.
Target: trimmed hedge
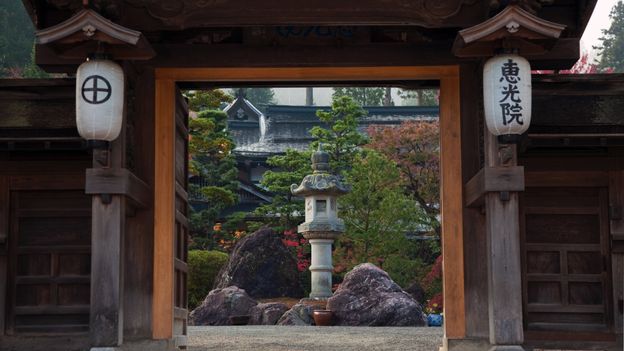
(203, 269)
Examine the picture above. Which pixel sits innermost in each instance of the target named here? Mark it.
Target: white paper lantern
(99, 100)
(507, 95)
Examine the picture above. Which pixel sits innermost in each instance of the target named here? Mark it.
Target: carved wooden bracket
(118, 181)
(87, 32)
(493, 179)
(513, 28)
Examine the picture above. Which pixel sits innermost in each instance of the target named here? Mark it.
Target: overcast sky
(598, 21)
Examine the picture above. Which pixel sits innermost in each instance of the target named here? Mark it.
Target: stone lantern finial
(320, 160)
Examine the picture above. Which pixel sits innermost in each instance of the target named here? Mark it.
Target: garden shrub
(203, 269)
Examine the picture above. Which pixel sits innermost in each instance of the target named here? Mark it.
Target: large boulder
(222, 304)
(368, 297)
(267, 313)
(300, 314)
(263, 266)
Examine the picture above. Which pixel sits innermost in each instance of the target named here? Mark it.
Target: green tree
(377, 212)
(362, 96)
(340, 137)
(285, 210)
(611, 50)
(16, 37)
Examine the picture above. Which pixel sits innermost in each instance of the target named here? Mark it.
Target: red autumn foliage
(435, 273)
(298, 245)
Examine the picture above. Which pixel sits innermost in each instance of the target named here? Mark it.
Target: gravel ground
(287, 338)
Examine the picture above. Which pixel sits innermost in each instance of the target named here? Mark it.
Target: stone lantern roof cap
(321, 182)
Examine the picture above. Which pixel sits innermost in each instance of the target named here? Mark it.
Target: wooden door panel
(543, 262)
(562, 228)
(565, 268)
(49, 283)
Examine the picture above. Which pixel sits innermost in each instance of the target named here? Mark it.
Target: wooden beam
(302, 74)
(452, 207)
(51, 182)
(164, 210)
(119, 181)
(493, 179)
(563, 56)
(503, 255)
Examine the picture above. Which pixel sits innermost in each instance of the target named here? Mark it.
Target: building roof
(283, 127)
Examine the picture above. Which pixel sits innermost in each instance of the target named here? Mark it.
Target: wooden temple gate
(518, 271)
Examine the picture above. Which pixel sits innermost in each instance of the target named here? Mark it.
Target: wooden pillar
(107, 277)
(164, 210)
(452, 208)
(503, 254)
(476, 288)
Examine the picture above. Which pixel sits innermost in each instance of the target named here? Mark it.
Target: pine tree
(611, 50)
(340, 138)
(212, 161)
(362, 96)
(17, 37)
(260, 96)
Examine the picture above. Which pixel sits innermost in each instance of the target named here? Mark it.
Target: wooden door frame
(450, 169)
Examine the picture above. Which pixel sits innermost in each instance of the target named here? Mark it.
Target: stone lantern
(322, 225)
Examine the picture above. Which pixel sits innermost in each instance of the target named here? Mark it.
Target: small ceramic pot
(323, 317)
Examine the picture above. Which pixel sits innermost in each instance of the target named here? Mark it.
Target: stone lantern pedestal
(322, 225)
(321, 266)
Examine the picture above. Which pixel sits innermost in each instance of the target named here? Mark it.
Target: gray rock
(263, 266)
(299, 314)
(220, 305)
(368, 297)
(267, 313)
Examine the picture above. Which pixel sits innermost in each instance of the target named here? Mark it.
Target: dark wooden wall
(139, 240)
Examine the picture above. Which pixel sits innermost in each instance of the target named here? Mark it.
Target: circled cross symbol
(96, 89)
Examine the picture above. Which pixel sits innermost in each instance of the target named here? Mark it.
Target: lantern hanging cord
(100, 52)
